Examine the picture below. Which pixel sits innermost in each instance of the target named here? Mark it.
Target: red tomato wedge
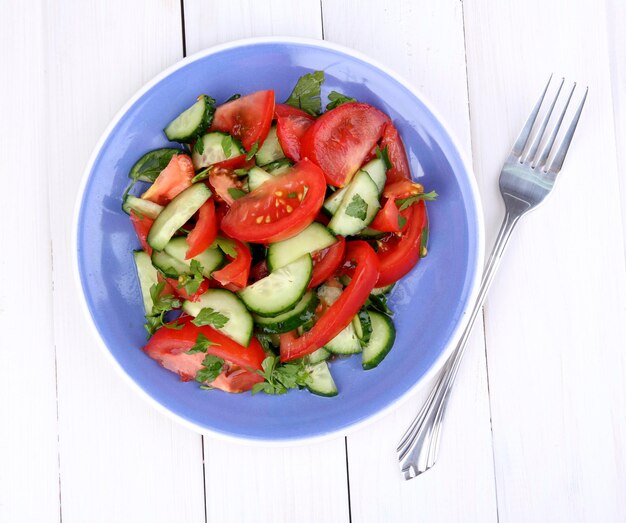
(402, 188)
(326, 262)
(182, 293)
(291, 125)
(278, 209)
(169, 346)
(340, 140)
(340, 313)
(142, 228)
(397, 155)
(204, 232)
(397, 255)
(248, 118)
(388, 218)
(237, 271)
(236, 379)
(171, 181)
(222, 181)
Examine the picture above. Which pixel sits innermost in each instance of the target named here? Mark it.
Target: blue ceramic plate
(429, 303)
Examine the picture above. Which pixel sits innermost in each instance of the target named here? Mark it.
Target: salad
(271, 235)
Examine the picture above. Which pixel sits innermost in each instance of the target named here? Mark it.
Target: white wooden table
(536, 429)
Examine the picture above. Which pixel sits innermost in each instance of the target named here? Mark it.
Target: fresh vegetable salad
(271, 235)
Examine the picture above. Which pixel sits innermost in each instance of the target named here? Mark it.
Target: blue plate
(429, 303)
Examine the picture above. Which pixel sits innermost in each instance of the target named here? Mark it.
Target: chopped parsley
(191, 282)
(337, 99)
(280, 378)
(209, 316)
(252, 151)
(199, 146)
(236, 193)
(405, 203)
(357, 208)
(227, 145)
(211, 368)
(201, 345)
(160, 305)
(202, 175)
(306, 93)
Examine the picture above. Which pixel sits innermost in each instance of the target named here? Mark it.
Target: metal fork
(525, 181)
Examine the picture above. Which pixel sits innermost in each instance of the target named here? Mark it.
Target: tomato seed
(259, 219)
(289, 208)
(278, 193)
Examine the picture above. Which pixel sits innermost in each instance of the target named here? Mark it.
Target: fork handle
(419, 446)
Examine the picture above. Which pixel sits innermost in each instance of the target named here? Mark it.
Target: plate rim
(456, 334)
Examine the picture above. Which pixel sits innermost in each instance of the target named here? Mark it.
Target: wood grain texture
(305, 483)
(29, 476)
(424, 43)
(555, 317)
(120, 460)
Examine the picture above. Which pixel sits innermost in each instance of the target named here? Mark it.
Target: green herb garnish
(306, 93)
(357, 208)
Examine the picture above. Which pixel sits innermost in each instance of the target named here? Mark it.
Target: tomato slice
(238, 162)
(169, 346)
(326, 262)
(388, 218)
(235, 379)
(280, 208)
(291, 125)
(402, 188)
(237, 271)
(397, 155)
(340, 140)
(222, 182)
(142, 228)
(171, 181)
(248, 118)
(204, 232)
(340, 313)
(397, 255)
(182, 293)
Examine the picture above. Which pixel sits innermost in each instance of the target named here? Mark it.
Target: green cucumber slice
(381, 341)
(281, 290)
(358, 207)
(383, 290)
(270, 151)
(320, 380)
(239, 323)
(377, 172)
(141, 207)
(314, 238)
(363, 326)
(176, 214)
(167, 265)
(346, 342)
(320, 354)
(210, 259)
(332, 203)
(278, 167)
(257, 177)
(214, 149)
(192, 122)
(147, 275)
(290, 320)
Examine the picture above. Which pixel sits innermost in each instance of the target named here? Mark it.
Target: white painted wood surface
(77, 445)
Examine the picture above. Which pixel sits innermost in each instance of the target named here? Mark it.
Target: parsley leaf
(160, 305)
(150, 165)
(209, 316)
(292, 195)
(357, 208)
(266, 342)
(306, 93)
(337, 99)
(252, 151)
(277, 164)
(384, 155)
(174, 325)
(199, 145)
(202, 175)
(405, 203)
(378, 302)
(241, 172)
(236, 193)
(191, 282)
(227, 145)
(401, 221)
(280, 378)
(201, 345)
(233, 97)
(227, 246)
(211, 369)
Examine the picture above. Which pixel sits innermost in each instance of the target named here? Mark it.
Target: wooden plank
(120, 459)
(555, 316)
(310, 481)
(423, 41)
(29, 475)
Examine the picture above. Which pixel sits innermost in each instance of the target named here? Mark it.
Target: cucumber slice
(332, 203)
(150, 165)
(167, 265)
(142, 207)
(281, 290)
(176, 214)
(270, 151)
(377, 172)
(239, 323)
(358, 207)
(320, 380)
(320, 354)
(381, 341)
(278, 167)
(147, 275)
(313, 238)
(192, 122)
(346, 342)
(383, 290)
(363, 326)
(215, 147)
(290, 320)
(257, 177)
(210, 259)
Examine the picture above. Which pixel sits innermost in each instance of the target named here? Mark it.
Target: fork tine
(559, 157)
(550, 143)
(522, 139)
(530, 156)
